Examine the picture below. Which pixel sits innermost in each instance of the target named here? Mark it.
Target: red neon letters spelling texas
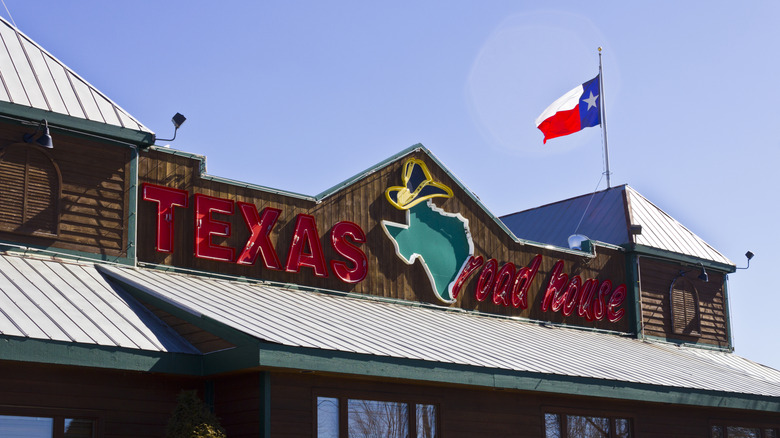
(344, 237)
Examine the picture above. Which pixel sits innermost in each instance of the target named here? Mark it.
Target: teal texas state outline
(440, 240)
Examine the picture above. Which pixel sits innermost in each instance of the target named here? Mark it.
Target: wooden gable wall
(656, 278)
(74, 196)
(364, 203)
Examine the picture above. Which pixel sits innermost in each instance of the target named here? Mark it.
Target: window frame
(58, 416)
(612, 415)
(343, 397)
(762, 427)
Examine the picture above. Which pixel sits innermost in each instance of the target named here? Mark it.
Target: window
(30, 184)
(580, 426)
(348, 417)
(78, 428)
(15, 426)
(743, 432)
(685, 307)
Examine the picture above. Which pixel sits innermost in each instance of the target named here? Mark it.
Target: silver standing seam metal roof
(364, 326)
(606, 216)
(73, 302)
(31, 76)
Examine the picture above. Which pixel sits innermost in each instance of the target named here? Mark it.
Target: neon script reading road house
(440, 240)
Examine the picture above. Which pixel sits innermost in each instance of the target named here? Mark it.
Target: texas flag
(577, 109)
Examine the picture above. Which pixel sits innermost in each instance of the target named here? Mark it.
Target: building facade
(393, 304)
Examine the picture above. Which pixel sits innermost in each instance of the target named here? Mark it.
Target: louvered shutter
(29, 191)
(685, 308)
(12, 176)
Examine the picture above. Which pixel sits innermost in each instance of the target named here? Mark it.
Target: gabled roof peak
(31, 77)
(607, 216)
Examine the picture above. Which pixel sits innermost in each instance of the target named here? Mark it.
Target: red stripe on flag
(561, 123)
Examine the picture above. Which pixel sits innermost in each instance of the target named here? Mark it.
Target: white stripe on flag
(566, 102)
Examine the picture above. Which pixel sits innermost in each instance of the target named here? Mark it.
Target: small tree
(191, 419)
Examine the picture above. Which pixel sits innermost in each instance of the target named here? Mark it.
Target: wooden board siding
(471, 412)
(656, 278)
(93, 195)
(363, 203)
(125, 404)
(237, 402)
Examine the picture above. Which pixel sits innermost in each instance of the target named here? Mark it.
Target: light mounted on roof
(44, 139)
(749, 256)
(576, 240)
(178, 120)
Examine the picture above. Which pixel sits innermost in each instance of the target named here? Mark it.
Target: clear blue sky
(302, 95)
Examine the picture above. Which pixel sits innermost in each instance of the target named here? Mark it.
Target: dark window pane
(327, 417)
(76, 428)
(622, 428)
(26, 427)
(770, 433)
(717, 432)
(369, 418)
(426, 421)
(742, 432)
(587, 427)
(552, 426)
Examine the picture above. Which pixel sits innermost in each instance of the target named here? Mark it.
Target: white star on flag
(591, 100)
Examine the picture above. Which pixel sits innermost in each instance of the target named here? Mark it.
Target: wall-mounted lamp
(44, 139)
(177, 120)
(703, 275)
(749, 256)
(635, 229)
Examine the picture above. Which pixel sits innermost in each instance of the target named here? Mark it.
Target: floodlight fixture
(178, 119)
(42, 140)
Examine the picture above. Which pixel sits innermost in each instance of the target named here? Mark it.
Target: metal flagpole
(603, 118)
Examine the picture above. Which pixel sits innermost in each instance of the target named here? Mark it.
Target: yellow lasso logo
(418, 186)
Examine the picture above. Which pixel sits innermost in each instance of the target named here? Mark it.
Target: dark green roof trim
(279, 356)
(70, 254)
(727, 349)
(178, 153)
(679, 258)
(727, 310)
(89, 355)
(387, 161)
(132, 208)
(632, 284)
(234, 359)
(265, 404)
(74, 124)
(233, 182)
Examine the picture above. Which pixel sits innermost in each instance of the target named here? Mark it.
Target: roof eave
(77, 125)
(338, 362)
(680, 258)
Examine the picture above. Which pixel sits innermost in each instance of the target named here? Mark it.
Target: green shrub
(192, 419)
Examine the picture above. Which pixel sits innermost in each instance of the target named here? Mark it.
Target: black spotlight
(703, 276)
(177, 120)
(44, 139)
